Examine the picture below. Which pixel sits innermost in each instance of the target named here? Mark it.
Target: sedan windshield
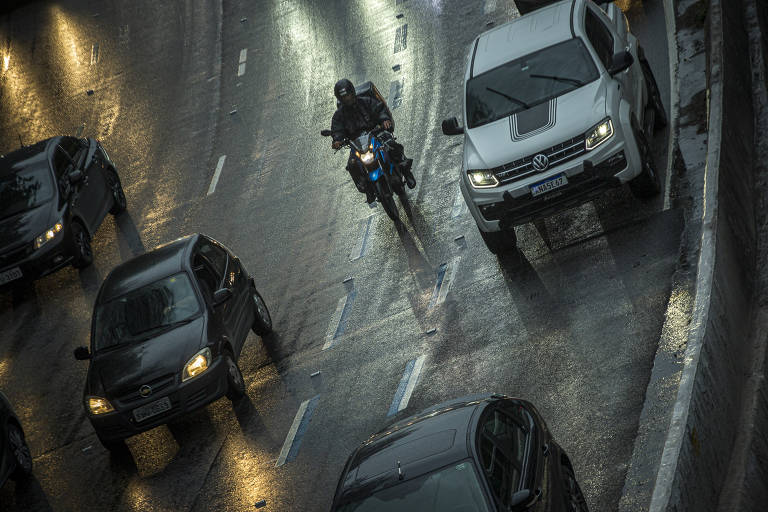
(455, 487)
(528, 81)
(146, 312)
(24, 190)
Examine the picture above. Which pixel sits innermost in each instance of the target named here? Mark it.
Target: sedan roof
(421, 443)
(147, 268)
(540, 29)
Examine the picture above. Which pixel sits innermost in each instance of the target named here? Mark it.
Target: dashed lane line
(337, 325)
(298, 428)
(407, 385)
(446, 274)
(241, 65)
(216, 174)
(362, 241)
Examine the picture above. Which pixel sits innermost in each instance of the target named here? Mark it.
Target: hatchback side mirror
(621, 62)
(451, 127)
(520, 498)
(221, 296)
(76, 176)
(82, 353)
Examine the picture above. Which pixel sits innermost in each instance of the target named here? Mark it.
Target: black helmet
(344, 91)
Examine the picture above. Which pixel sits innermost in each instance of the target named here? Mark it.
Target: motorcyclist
(357, 114)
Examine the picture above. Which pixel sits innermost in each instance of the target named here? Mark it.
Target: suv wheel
(575, 501)
(119, 203)
(20, 450)
(82, 246)
(500, 241)
(235, 382)
(654, 96)
(262, 321)
(647, 184)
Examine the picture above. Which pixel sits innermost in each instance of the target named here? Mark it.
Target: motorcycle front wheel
(387, 201)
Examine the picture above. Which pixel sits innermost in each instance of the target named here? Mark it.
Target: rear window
(528, 81)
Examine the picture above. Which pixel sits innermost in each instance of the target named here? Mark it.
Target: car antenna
(399, 471)
(21, 141)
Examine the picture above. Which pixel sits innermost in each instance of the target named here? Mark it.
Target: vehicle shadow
(252, 426)
(128, 237)
(26, 494)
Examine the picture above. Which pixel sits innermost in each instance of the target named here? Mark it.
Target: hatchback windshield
(146, 312)
(24, 190)
(525, 82)
(455, 487)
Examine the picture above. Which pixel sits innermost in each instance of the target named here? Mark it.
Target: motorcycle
(371, 153)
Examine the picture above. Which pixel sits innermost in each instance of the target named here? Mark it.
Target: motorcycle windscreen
(363, 141)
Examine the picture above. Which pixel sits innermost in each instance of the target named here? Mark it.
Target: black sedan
(473, 454)
(167, 330)
(53, 197)
(15, 458)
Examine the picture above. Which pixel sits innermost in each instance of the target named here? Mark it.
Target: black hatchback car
(473, 454)
(15, 457)
(53, 197)
(167, 330)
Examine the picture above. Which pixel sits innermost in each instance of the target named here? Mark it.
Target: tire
(648, 183)
(119, 203)
(654, 96)
(21, 454)
(575, 501)
(499, 242)
(235, 382)
(114, 446)
(81, 242)
(398, 188)
(388, 202)
(262, 321)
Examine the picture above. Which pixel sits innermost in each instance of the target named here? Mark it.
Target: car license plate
(10, 275)
(152, 409)
(551, 184)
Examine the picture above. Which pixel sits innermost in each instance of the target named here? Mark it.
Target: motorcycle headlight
(366, 157)
(197, 364)
(49, 234)
(482, 178)
(599, 134)
(98, 405)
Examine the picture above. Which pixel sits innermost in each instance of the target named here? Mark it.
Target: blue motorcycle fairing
(374, 175)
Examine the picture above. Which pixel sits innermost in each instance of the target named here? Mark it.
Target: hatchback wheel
(119, 203)
(236, 384)
(262, 321)
(82, 246)
(20, 451)
(574, 497)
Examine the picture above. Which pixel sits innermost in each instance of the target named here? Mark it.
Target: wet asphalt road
(570, 324)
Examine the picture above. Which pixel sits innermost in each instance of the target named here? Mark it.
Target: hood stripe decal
(551, 119)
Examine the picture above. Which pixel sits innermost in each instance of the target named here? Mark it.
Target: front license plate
(548, 185)
(152, 409)
(10, 275)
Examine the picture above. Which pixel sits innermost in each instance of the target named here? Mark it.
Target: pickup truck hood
(540, 127)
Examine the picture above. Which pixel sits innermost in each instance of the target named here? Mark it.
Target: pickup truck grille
(557, 154)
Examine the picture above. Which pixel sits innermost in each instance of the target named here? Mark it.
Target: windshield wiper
(560, 79)
(159, 329)
(507, 96)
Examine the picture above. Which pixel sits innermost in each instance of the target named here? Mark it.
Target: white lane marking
(333, 325)
(410, 379)
(241, 66)
(216, 174)
(362, 240)
(459, 205)
(288, 444)
(94, 54)
(489, 7)
(450, 277)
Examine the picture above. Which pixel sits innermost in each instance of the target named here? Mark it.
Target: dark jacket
(366, 113)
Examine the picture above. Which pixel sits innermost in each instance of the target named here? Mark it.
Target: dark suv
(53, 197)
(474, 454)
(167, 330)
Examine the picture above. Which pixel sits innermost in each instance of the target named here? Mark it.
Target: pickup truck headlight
(599, 134)
(482, 178)
(49, 234)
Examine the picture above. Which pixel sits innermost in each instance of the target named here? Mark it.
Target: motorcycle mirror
(325, 133)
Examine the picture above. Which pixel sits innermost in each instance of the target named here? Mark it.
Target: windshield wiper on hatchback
(159, 329)
(507, 96)
(560, 79)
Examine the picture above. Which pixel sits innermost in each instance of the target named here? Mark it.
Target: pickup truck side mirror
(76, 177)
(451, 127)
(621, 62)
(82, 353)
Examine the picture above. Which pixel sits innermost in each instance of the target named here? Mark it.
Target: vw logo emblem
(540, 162)
(145, 390)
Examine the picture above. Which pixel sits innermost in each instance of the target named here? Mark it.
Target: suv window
(600, 37)
(501, 444)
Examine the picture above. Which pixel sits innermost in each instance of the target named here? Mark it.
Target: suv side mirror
(325, 133)
(76, 177)
(621, 62)
(82, 353)
(451, 127)
(221, 296)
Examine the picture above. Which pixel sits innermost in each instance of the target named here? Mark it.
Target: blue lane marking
(401, 388)
(294, 451)
(438, 285)
(344, 314)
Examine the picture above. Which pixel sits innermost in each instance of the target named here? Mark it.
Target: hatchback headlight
(198, 364)
(599, 134)
(49, 234)
(98, 405)
(482, 178)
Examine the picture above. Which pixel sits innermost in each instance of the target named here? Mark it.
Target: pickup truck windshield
(528, 81)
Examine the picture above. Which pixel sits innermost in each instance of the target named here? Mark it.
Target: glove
(336, 144)
(387, 125)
